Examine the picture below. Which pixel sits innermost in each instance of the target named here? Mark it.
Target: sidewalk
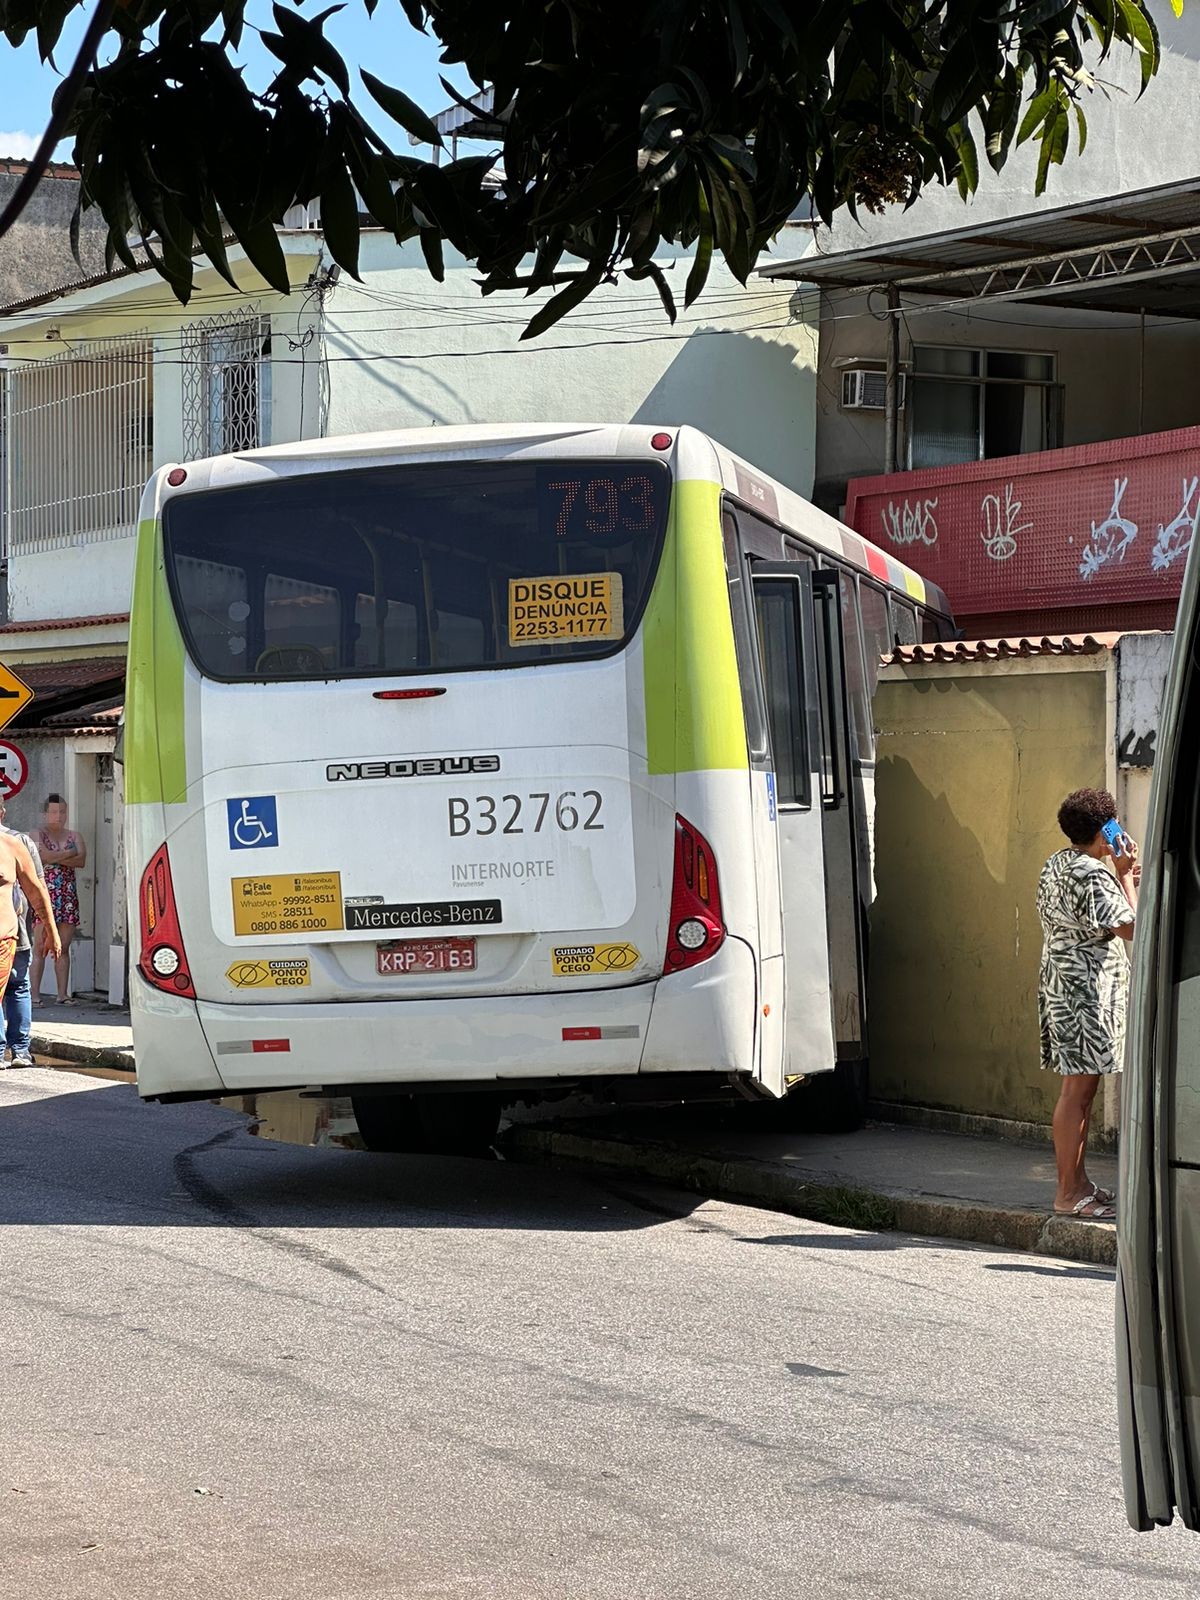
(885, 1177)
(889, 1176)
(90, 1032)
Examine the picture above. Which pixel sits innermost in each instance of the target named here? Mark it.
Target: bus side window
(778, 607)
(904, 622)
(860, 682)
(932, 626)
(743, 643)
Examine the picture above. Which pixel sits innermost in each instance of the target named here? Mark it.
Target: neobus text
(411, 767)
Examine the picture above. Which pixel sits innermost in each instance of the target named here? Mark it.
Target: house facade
(1005, 386)
(107, 379)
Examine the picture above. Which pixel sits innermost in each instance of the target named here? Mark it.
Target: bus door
(788, 639)
(1158, 1282)
(840, 796)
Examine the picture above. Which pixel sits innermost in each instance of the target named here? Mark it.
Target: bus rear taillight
(163, 961)
(696, 931)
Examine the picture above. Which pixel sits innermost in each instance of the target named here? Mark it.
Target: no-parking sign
(14, 769)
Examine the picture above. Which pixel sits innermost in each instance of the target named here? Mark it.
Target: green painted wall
(971, 773)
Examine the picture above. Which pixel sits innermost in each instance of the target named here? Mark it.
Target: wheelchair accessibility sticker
(252, 824)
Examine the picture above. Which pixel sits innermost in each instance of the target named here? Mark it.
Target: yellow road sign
(15, 695)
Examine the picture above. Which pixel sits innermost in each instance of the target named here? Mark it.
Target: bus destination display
(608, 505)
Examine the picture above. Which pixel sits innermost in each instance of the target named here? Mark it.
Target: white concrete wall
(92, 579)
(1132, 144)
(95, 575)
(408, 352)
(1143, 661)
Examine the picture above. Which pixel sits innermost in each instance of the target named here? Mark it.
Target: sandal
(1106, 1197)
(1090, 1209)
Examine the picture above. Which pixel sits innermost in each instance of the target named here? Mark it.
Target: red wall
(1062, 541)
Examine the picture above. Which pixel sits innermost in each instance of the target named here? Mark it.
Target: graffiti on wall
(1001, 526)
(1175, 537)
(1103, 524)
(910, 522)
(1143, 660)
(1110, 538)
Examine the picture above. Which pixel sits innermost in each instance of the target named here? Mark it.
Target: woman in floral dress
(62, 851)
(1087, 917)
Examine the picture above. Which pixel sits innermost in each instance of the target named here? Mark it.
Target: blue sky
(386, 44)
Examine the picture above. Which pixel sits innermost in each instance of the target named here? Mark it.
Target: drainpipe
(1141, 370)
(891, 402)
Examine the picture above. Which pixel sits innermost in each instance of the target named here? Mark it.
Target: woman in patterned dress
(1087, 917)
(62, 852)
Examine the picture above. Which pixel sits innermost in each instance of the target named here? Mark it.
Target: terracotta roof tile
(17, 166)
(48, 678)
(1050, 644)
(56, 730)
(103, 715)
(53, 624)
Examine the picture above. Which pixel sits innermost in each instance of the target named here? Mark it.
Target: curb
(976, 1125)
(82, 1054)
(817, 1197)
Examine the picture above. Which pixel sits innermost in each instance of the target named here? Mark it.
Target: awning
(63, 689)
(1128, 253)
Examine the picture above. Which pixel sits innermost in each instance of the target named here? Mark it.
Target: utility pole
(891, 402)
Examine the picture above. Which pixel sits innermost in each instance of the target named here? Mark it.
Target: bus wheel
(836, 1102)
(388, 1123)
(459, 1124)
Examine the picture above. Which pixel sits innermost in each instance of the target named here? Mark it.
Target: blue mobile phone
(1114, 833)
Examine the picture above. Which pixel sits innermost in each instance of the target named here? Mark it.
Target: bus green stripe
(156, 763)
(694, 719)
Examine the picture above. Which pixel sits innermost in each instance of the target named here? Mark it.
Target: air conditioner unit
(865, 389)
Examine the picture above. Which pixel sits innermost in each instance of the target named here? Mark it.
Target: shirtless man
(16, 867)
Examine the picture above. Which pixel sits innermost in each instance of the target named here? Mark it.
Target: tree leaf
(431, 249)
(339, 214)
(73, 230)
(304, 36)
(575, 293)
(402, 110)
(968, 177)
(1144, 35)
(264, 252)
(1039, 109)
(698, 276)
(651, 270)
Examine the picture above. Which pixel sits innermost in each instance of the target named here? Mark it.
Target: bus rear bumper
(695, 1021)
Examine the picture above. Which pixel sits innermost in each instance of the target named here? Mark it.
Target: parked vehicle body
(465, 764)
(1158, 1279)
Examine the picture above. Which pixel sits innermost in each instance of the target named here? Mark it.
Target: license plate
(406, 956)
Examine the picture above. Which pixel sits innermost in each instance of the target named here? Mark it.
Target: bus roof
(740, 478)
(794, 512)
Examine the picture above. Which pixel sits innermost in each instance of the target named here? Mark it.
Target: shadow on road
(1100, 1274)
(96, 1155)
(849, 1241)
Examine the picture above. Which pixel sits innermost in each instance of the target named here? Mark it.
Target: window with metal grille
(226, 385)
(78, 443)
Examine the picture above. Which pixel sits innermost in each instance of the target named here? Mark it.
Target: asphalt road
(239, 1369)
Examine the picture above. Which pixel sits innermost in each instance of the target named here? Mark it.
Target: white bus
(1158, 1226)
(469, 765)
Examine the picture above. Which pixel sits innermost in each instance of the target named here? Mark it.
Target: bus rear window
(398, 568)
